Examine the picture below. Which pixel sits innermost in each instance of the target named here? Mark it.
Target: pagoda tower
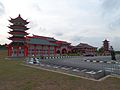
(106, 50)
(18, 46)
(106, 45)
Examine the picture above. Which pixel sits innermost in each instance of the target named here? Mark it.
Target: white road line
(108, 62)
(101, 61)
(94, 61)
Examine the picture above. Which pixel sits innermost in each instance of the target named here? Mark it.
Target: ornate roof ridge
(18, 18)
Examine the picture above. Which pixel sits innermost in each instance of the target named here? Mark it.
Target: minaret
(18, 31)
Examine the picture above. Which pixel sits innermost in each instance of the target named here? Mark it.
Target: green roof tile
(40, 41)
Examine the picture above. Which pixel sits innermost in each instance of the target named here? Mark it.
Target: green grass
(14, 76)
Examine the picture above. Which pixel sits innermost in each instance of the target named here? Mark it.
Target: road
(79, 62)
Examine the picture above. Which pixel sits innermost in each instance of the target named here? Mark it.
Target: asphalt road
(78, 62)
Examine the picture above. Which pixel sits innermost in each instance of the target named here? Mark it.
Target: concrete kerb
(96, 61)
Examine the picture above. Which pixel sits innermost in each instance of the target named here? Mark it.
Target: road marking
(75, 70)
(88, 60)
(108, 62)
(101, 61)
(94, 61)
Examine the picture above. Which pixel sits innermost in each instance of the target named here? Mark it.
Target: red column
(11, 51)
(8, 50)
(17, 48)
(42, 51)
(24, 51)
(48, 51)
(30, 51)
(27, 51)
(35, 50)
(54, 51)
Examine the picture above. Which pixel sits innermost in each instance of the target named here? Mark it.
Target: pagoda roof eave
(19, 27)
(19, 18)
(13, 20)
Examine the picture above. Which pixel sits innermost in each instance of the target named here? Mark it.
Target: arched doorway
(64, 51)
(58, 51)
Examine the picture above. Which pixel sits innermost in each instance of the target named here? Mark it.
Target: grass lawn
(14, 76)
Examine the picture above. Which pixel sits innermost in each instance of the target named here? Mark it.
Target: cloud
(58, 34)
(115, 24)
(76, 38)
(111, 13)
(36, 28)
(110, 5)
(2, 9)
(76, 21)
(36, 7)
(115, 43)
(95, 41)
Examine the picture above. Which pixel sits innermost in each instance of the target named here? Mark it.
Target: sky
(75, 21)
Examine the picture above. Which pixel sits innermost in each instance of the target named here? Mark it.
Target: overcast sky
(75, 21)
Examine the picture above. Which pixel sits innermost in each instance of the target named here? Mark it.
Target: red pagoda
(104, 50)
(18, 46)
(29, 46)
(106, 45)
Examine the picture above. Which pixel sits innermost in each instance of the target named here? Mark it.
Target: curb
(96, 61)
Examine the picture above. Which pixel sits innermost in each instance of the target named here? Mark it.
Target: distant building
(85, 49)
(104, 50)
(27, 46)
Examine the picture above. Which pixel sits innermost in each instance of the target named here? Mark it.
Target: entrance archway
(64, 51)
(58, 51)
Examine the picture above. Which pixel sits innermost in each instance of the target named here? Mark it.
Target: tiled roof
(39, 41)
(51, 39)
(43, 37)
(18, 19)
(85, 45)
(35, 39)
(62, 42)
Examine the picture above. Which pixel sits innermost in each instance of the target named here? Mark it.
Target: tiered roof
(22, 27)
(18, 27)
(20, 32)
(19, 19)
